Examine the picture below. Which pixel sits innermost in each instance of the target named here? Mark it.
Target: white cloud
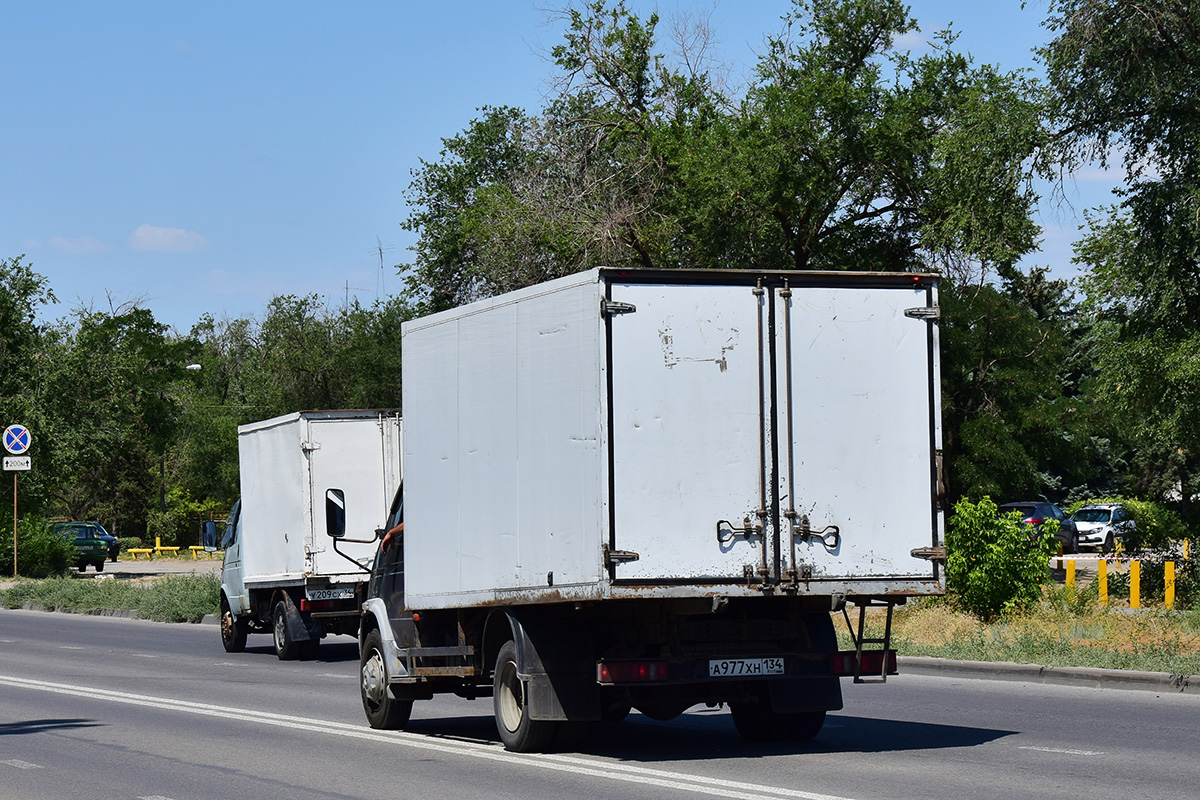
(913, 40)
(166, 240)
(80, 246)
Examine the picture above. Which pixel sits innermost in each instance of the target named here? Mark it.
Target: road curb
(1062, 676)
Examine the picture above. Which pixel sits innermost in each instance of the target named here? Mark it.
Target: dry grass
(1061, 631)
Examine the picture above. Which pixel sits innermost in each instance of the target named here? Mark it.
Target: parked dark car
(92, 543)
(1036, 512)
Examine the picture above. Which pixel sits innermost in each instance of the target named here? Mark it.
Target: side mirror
(335, 513)
(208, 536)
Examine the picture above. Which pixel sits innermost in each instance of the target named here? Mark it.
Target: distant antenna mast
(355, 288)
(381, 288)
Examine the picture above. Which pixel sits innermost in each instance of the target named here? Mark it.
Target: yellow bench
(198, 549)
(140, 551)
(160, 549)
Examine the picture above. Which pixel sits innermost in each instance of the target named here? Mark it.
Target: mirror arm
(351, 559)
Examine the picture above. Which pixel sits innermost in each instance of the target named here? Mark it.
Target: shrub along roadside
(40, 553)
(995, 564)
(174, 598)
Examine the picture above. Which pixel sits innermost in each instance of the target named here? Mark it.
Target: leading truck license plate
(739, 667)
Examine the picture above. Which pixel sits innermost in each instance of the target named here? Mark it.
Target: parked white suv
(1102, 525)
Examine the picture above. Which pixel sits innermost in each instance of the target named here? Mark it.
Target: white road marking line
(575, 765)
(335, 675)
(12, 762)
(154, 797)
(1063, 750)
(70, 647)
(143, 655)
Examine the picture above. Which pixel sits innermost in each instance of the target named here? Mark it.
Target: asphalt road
(115, 708)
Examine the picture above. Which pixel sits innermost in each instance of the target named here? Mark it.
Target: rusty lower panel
(834, 590)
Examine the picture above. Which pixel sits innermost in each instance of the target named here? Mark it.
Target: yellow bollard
(1169, 581)
(1071, 578)
(1185, 549)
(1135, 588)
(1102, 580)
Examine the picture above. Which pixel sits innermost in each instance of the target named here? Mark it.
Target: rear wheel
(233, 630)
(384, 711)
(287, 648)
(510, 700)
(756, 722)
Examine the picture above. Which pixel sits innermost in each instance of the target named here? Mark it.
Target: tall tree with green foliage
(1123, 82)
(842, 154)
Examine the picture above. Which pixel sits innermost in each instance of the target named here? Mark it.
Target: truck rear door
(772, 428)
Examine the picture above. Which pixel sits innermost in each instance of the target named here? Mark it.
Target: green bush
(994, 565)
(40, 553)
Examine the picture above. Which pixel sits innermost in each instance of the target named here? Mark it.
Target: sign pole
(14, 524)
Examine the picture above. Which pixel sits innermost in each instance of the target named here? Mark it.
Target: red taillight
(872, 662)
(1035, 521)
(630, 671)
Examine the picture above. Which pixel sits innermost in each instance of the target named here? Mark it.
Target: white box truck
(280, 575)
(650, 490)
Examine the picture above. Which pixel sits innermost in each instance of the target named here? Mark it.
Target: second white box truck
(280, 574)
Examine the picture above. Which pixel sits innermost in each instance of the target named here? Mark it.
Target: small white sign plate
(13, 463)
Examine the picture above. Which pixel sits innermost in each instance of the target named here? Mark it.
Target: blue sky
(207, 156)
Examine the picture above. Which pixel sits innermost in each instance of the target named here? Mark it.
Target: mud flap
(562, 678)
(301, 627)
(818, 693)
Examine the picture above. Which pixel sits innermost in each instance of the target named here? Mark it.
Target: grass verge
(1058, 632)
(173, 598)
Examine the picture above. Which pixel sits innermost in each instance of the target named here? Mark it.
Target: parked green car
(90, 543)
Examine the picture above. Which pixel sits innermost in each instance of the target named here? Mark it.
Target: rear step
(887, 661)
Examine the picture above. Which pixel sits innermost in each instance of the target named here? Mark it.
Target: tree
(1123, 79)
(842, 154)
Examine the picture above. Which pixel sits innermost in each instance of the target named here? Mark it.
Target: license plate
(346, 593)
(740, 667)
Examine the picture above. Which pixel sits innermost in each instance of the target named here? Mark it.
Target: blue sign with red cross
(16, 439)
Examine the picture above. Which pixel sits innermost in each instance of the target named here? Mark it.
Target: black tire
(233, 630)
(384, 711)
(287, 648)
(756, 722)
(1109, 543)
(82, 568)
(99, 566)
(510, 696)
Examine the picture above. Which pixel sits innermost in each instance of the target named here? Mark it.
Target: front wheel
(233, 630)
(510, 701)
(384, 711)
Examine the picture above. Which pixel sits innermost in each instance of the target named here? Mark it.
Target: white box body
(619, 434)
(287, 464)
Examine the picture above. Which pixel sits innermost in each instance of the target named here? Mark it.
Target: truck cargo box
(287, 463)
(619, 434)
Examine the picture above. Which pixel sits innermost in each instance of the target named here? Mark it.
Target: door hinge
(930, 553)
(928, 313)
(619, 556)
(610, 307)
(308, 447)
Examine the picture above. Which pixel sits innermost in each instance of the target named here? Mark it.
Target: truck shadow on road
(711, 735)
